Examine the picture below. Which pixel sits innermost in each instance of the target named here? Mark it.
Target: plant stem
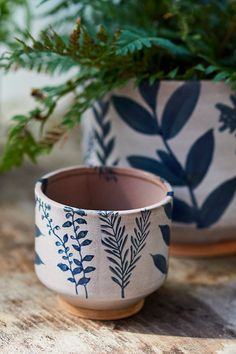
(80, 254)
(121, 261)
(52, 229)
(168, 148)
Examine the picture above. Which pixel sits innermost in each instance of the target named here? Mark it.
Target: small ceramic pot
(102, 238)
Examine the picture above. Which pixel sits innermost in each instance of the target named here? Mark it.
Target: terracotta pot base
(203, 250)
(101, 315)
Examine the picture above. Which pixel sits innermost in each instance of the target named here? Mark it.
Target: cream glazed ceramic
(102, 238)
(185, 133)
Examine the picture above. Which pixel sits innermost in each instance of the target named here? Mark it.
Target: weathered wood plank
(195, 312)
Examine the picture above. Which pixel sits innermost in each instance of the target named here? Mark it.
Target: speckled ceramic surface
(102, 235)
(184, 132)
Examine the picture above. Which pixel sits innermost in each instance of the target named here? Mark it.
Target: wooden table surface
(194, 312)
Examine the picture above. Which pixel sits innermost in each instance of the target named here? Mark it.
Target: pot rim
(39, 193)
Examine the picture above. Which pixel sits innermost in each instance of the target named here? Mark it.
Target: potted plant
(160, 77)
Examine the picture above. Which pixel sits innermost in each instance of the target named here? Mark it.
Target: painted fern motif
(123, 257)
(105, 144)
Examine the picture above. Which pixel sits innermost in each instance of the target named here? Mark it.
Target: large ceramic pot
(184, 132)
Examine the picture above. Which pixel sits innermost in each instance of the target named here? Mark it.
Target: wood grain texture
(194, 312)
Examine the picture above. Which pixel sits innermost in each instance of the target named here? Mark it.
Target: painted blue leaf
(86, 242)
(83, 281)
(168, 210)
(182, 212)
(63, 267)
(199, 158)
(81, 234)
(67, 224)
(76, 247)
(38, 233)
(72, 280)
(106, 128)
(65, 238)
(109, 147)
(87, 258)
(136, 116)
(68, 209)
(57, 243)
(216, 203)
(77, 270)
(165, 230)
(156, 167)
(116, 281)
(160, 262)
(37, 259)
(68, 215)
(179, 108)
(65, 257)
(149, 92)
(80, 212)
(81, 221)
(172, 165)
(104, 106)
(60, 251)
(77, 262)
(89, 269)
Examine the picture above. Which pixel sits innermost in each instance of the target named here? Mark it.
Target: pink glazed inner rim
(105, 188)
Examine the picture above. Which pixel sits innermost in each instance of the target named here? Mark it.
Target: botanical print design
(38, 233)
(122, 254)
(160, 262)
(165, 231)
(176, 114)
(106, 144)
(37, 259)
(228, 116)
(74, 261)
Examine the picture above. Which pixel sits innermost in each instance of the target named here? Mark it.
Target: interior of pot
(105, 188)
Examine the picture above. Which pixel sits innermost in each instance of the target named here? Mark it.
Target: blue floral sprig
(76, 218)
(62, 243)
(72, 261)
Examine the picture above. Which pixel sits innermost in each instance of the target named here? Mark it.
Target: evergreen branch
(115, 242)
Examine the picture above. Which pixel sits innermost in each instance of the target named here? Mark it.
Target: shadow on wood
(172, 311)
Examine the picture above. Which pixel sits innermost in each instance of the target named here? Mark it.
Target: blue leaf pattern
(216, 203)
(199, 158)
(38, 233)
(72, 261)
(165, 231)
(176, 114)
(123, 257)
(135, 115)
(156, 167)
(101, 134)
(149, 92)
(179, 109)
(38, 260)
(160, 262)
